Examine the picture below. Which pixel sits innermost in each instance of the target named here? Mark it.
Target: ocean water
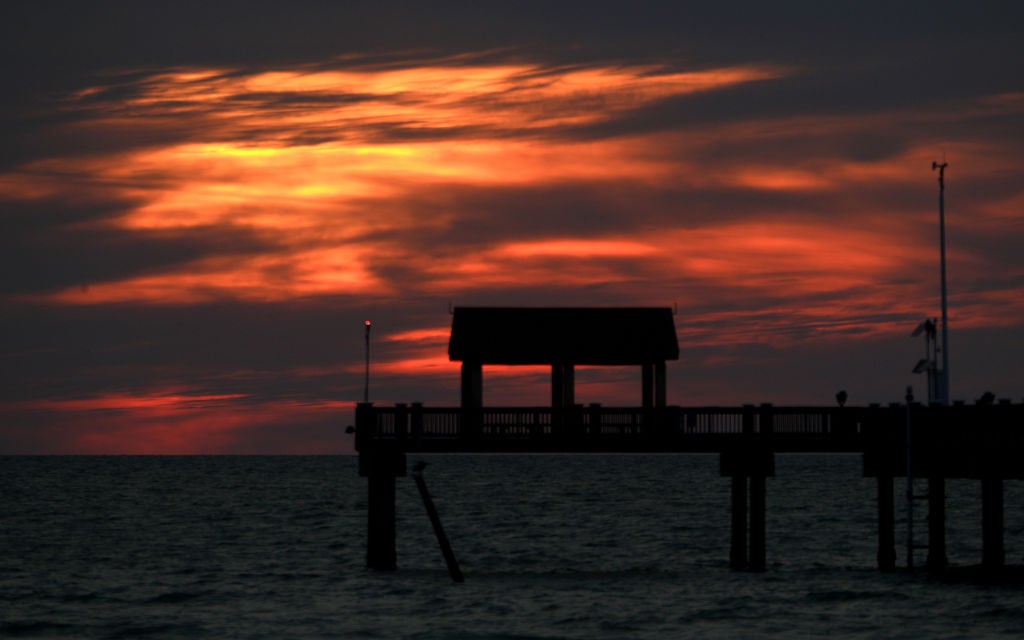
(585, 547)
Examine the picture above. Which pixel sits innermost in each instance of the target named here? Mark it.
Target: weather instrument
(929, 363)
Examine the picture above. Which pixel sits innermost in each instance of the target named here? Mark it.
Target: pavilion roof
(569, 335)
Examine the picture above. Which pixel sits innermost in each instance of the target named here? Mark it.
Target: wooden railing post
(401, 421)
(470, 423)
(748, 419)
(416, 422)
(576, 419)
(766, 422)
(595, 420)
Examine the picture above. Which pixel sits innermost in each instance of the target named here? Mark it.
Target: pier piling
(747, 470)
(937, 560)
(993, 555)
(950, 442)
(886, 524)
(738, 530)
(757, 523)
(380, 468)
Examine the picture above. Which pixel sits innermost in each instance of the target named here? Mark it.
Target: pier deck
(971, 441)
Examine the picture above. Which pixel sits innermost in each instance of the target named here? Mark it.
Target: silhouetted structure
(983, 441)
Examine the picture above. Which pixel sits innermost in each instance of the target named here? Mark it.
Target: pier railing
(596, 428)
(941, 432)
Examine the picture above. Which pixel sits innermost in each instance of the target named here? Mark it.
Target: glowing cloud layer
(465, 180)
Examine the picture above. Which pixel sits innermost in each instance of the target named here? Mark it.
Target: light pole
(366, 380)
(944, 385)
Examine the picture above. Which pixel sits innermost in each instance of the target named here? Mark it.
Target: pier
(983, 441)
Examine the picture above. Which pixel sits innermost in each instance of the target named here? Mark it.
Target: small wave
(31, 629)
(844, 595)
(175, 597)
(141, 631)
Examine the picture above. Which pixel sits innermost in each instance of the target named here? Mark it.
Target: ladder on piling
(912, 545)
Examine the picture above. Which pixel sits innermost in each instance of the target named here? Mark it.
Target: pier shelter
(562, 338)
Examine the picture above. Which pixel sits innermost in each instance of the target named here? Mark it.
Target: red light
(367, 323)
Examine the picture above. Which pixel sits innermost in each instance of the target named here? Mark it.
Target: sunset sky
(200, 205)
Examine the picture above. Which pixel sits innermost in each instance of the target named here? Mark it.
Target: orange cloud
(581, 248)
(345, 172)
(310, 198)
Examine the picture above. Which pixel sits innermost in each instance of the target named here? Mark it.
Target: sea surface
(586, 547)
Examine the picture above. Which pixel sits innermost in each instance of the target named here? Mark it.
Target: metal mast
(366, 380)
(944, 385)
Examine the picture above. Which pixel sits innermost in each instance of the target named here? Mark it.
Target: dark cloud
(53, 244)
(255, 349)
(111, 34)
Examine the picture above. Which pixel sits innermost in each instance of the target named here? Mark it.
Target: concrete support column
(886, 524)
(380, 468)
(647, 382)
(748, 470)
(660, 385)
(738, 545)
(472, 390)
(563, 386)
(472, 398)
(380, 523)
(993, 555)
(569, 386)
(563, 395)
(757, 523)
(937, 560)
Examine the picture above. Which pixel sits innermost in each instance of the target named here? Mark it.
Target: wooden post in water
(993, 555)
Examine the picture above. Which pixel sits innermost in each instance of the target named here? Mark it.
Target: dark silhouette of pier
(983, 441)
